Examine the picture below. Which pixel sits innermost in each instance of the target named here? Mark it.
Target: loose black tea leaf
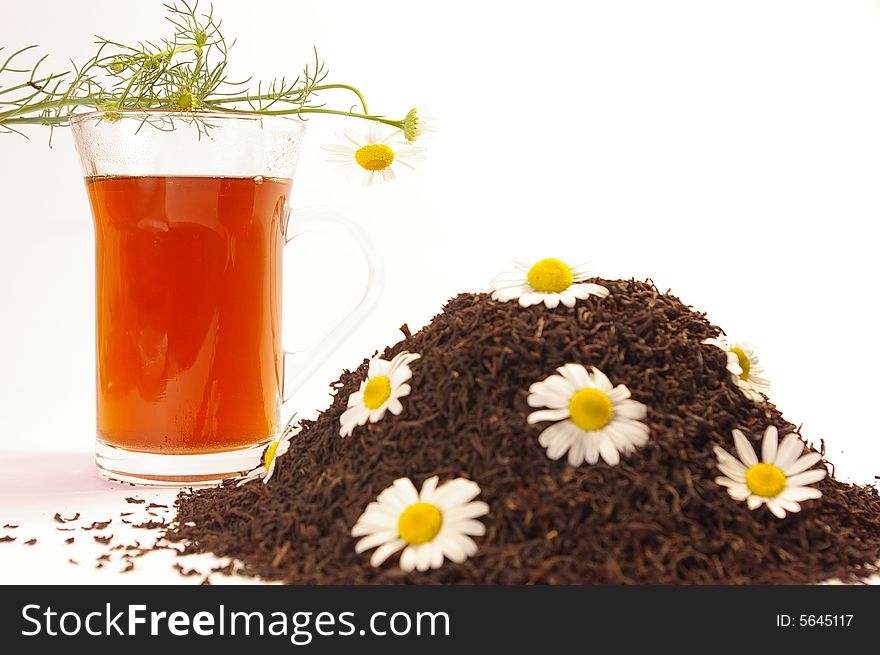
(61, 519)
(103, 540)
(186, 572)
(9, 526)
(30, 542)
(150, 525)
(135, 501)
(6, 539)
(228, 569)
(658, 517)
(98, 525)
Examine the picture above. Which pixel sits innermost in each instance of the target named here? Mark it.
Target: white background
(728, 150)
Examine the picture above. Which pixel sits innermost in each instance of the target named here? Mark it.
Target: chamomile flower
(779, 481)
(745, 369)
(385, 385)
(278, 447)
(416, 125)
(375, 156)
(591, 417)
(550, 281)
(430, 525)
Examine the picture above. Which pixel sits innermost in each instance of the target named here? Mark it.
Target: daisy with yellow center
(374, 156)
(779, 480)
(592, 418)
(550, 281)
(385, 385)
(430, 525)
(277, 448)
(745, 368)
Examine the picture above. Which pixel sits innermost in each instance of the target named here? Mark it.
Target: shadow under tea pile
(657, 517)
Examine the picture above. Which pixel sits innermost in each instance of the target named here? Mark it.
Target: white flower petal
(468, 545)
(406, 491)
(802, 464)
(385, 551)
(736, 490)
(798, 494)
(424, 554)
(470, 527)
(631, 409)
(452, 549)
(547, 415)
(599, 380)
(436, 556)
(409, 558)
(744, 449)
(768, 447)
(455, 492)
(472, 510)
(787, 504)
(554, 392)
(582, 291)
(375, 522)
(576, 451)
(395, 406)
(776, 508)
(789, 451)
(618, 394)
(807, 477)
(551, 300)
(577, 375)
(429, 486)
(375, 539)
(608, 451)
(561, 441)
(731, 472)
(591, 449)
(754, 502)
(531, 298)
(730, 461)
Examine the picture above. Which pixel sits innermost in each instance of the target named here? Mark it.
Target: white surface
(728, 150)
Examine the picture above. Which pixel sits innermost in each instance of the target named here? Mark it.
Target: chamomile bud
(415, 125)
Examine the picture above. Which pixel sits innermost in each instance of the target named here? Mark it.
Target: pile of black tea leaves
(658, 517)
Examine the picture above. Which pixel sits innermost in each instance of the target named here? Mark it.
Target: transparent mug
(192, 216)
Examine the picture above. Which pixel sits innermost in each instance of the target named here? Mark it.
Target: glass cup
(192, 217)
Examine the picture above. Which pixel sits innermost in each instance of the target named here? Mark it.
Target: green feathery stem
(184, 73)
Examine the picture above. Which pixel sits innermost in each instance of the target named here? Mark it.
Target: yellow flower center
(269, 455)
(743, 361)
(765, 480)
(186, 100)
(590, 409)
(377, 391)
(550, 276)
(419, 523)
(374, 157)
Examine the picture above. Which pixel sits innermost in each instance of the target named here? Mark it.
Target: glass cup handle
(297, 367)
